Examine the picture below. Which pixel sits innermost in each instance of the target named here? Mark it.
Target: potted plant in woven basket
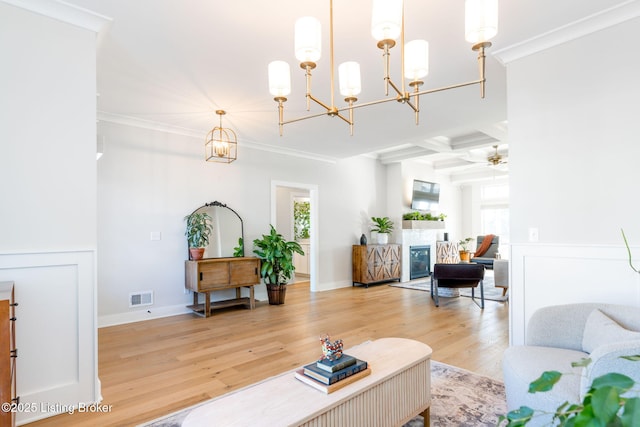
(277, 263)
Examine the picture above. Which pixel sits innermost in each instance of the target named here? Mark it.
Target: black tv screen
(426, 196)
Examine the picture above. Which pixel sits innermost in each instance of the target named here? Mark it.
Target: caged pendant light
(387, 26)
(221, 144)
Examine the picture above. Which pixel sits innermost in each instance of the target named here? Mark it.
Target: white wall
(48, 193)
(149, 180)
(450, 196)
(573, 161)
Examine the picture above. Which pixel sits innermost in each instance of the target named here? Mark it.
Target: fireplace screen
(420, 261)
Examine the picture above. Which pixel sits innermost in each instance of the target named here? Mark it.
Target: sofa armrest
(608, 358)
(560, 326)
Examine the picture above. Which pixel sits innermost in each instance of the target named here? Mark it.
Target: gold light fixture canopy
(387, 26)
(221, 144)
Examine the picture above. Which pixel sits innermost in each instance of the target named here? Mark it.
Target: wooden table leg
(252, 300)
(426, 414)
(207, 304)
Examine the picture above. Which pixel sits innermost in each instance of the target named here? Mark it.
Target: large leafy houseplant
(198, 231)
(277, 262)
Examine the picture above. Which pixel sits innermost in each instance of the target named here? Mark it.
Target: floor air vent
(137, 299)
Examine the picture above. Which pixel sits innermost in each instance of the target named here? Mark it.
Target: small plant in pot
(198, 231)
(383, 226)
(277, 263)
(465, 255)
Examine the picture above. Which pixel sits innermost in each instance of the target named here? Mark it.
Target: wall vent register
(140, 298)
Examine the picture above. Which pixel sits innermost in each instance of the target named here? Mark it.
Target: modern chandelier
(221, 144)
(387, 25)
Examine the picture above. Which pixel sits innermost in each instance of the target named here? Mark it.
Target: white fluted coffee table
(398, 389)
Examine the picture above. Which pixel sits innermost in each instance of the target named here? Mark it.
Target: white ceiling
(171, 63)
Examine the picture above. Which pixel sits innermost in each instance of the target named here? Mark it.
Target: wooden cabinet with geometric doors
(376, 263)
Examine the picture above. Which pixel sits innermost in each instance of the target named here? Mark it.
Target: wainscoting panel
(543, 275)
(56, 332)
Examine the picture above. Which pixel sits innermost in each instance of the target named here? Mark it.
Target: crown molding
(598, 21)
(64, 12)
(191, 133)
(121, 119)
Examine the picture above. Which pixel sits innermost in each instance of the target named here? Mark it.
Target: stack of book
(328, 376)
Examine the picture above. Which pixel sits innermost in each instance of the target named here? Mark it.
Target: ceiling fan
(496, 158)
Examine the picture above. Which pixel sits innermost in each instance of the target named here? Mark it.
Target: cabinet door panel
(244, 273)
(213, 275)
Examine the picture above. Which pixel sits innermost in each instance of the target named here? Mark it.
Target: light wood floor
(152, 368)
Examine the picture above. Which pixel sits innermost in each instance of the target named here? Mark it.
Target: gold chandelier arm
(317, 101)
(280, 100)
(311, 116)
(402, 51)
(308, 80)
(387, 69)
(480, 47)
(331, 50)
(398, 91)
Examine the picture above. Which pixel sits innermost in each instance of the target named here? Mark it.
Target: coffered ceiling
(169, 64)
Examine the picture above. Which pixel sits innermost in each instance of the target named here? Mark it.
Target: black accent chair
(457, 276)
(487, 258)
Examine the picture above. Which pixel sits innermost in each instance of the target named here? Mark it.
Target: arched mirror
(225, 241)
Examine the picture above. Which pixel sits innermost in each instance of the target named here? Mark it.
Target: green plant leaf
(605, 403)
(622, 382)
(546, 381)
(626, 244)
(634, 358)
(585, 361)
(519, 417)
(631, 413)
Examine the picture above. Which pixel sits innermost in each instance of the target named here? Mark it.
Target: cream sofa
(559, 335)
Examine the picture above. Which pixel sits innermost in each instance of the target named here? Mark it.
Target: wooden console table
(217, 274)
(398, 389)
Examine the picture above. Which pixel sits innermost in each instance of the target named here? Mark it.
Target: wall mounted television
(426, 196)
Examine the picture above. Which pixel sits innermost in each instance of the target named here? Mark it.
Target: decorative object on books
(331, 350)
(363, 239)
(333, 369)
(277, 263)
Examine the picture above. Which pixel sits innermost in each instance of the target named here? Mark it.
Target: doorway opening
(294, 213)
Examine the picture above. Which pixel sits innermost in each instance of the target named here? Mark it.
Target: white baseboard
(140, 315)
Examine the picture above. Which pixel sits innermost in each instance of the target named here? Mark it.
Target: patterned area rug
(459, 398)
